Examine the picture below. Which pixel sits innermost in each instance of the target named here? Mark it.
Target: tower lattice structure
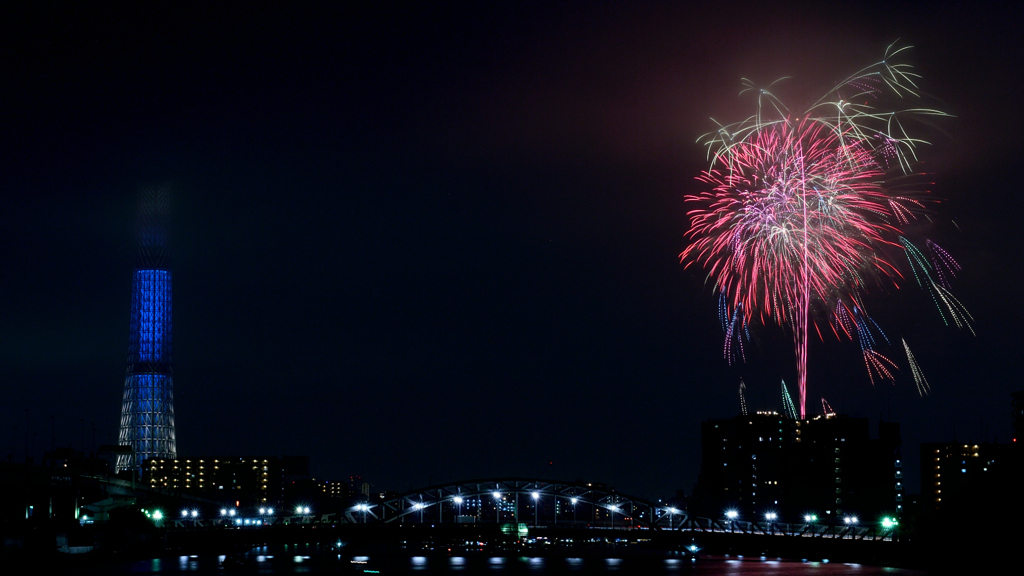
(147, 412)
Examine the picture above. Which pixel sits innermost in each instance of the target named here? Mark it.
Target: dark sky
(441, 243)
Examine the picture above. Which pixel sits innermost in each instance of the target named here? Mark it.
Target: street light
(536, 507)
(363, 508)
(458, 502)
(672, 511)
(264, 512)
(497, 506)
(770, 517)
(574, 500)
(731, 515)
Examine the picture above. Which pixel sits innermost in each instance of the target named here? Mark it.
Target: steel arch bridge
(531, 501)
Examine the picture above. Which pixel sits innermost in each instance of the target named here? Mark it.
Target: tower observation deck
(147, 411)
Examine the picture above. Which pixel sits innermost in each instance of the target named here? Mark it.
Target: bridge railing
(523, 500)
(805, 530)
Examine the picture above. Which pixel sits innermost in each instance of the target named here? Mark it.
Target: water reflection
(330, 560)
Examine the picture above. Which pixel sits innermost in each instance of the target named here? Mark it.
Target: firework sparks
(800, 215)
(787, 402)
(944, 267)
(736, 330)
(919, 380)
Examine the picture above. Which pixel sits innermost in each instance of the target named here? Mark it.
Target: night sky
(441, 243)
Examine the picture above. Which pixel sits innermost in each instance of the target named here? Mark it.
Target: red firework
(798, 218)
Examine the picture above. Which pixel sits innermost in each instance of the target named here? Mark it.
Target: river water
(300, 561)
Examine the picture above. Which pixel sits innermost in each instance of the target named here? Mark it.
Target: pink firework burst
(797, 220)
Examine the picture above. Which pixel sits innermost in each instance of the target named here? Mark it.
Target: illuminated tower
(147, 412)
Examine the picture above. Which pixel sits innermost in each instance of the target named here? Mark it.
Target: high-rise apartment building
(827, 466)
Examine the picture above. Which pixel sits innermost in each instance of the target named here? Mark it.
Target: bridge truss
(530, 501)
(548, 503)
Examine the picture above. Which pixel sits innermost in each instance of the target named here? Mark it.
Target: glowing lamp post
(732, 515)
(364, 508)
(536, 508)
(264, 513)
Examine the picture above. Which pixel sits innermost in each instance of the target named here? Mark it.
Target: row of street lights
(265, 511)
(229, 514)
(498, 497)
(849, 520)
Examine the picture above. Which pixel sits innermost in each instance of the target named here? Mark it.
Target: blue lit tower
(147, 413)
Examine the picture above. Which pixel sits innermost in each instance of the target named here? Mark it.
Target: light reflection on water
(332, 561)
